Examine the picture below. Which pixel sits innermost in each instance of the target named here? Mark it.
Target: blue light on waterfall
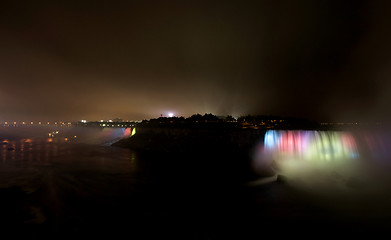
(311, 145)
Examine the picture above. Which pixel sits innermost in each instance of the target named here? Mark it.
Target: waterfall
(310, 145)
(319, 159)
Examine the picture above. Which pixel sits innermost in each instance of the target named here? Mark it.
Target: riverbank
(219, 148)
(172, 140)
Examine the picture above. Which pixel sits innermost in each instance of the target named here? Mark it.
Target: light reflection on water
(98, 188)
(25, 159)
(71, 184)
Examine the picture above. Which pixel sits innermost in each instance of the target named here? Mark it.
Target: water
(352, 164)
(64, 180)
(71, 188)
(74, 189)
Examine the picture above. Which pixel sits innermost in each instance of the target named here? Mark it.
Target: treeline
(198, 120)
(247, 121)
(283, 122)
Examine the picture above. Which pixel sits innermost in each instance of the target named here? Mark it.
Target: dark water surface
(75, 190)
(64, 190)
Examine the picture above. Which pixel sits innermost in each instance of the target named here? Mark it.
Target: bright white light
(170, 114)
(83, 121)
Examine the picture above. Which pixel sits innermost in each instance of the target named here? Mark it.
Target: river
(67, 188)
(61, 188)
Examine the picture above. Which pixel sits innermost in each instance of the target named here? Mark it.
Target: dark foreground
(104, 192)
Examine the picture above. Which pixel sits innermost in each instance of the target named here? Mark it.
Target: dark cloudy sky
(71, 60)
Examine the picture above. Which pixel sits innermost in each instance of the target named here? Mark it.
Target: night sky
(72, 60)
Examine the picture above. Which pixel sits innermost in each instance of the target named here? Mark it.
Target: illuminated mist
(333, 160)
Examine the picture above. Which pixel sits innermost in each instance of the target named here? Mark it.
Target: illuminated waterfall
(299, 154)
(127, 132)
(310, 145)
(320, 160)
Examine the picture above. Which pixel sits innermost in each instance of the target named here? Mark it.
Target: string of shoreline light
(23, 123)
(101, 123)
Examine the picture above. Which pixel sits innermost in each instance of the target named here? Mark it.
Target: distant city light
(83, 121)
(170, 114)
